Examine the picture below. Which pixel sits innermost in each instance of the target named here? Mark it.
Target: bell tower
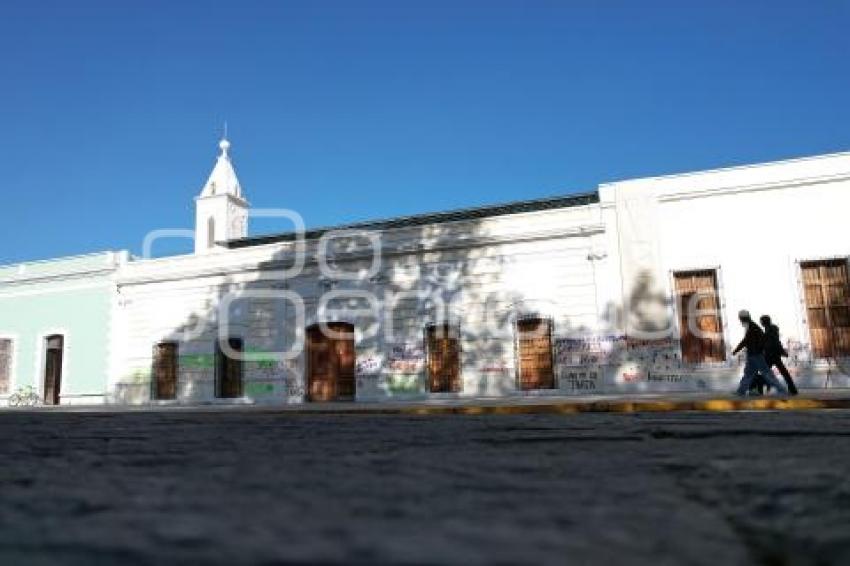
(221, 213)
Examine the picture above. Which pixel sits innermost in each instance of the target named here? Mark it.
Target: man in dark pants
(774, 351)
(758, 385)
(754, 343)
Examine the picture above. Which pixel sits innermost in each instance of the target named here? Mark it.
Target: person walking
(758, 385)
(754, 343)
(774, 351)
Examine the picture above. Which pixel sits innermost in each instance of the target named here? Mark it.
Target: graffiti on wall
(799, 354)
(267, 369)
(612, 349)
(643, 375)
(496, 366)
(662, 354)
(582, 362)
(368, 365)
(580, 379)
(407, 357)
(294, 387)
(589, 350)
(259, 389)
(402, 383)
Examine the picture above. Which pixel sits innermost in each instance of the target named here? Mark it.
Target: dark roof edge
(488, 211)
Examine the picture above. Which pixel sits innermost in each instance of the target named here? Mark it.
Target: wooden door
(534, 336)
(345, 361)
(331, 362)
(443, 346)
(321, 377)
(53, 369)
(229, 371)
(826, 289)
(165, 370)
(700, 323)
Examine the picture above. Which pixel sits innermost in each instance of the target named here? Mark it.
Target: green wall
(78, 307)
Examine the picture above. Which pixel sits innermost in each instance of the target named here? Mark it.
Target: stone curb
(573, 407)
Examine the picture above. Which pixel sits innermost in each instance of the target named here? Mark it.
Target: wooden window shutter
(443, 347)
(534, 337)
(700, 322)
(826, 292)
(346, 360)
(165, 369)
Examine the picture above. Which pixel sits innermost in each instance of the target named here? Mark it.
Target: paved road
(237, 486)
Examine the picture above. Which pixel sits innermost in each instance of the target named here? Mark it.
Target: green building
(55, 322)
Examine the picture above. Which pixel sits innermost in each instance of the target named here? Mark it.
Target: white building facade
(631, 288)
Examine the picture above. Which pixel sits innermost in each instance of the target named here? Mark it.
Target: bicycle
(25, 396)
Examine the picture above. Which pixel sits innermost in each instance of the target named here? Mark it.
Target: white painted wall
(502, 266)
(577, 265)
(754, 224)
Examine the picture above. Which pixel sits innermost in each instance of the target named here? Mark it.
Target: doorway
(228, 370)
(534, 345)
(330, 362)
(54, 349)
(165, 370)
(443, 346)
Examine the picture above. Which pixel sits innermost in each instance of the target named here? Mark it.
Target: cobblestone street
(254, 486)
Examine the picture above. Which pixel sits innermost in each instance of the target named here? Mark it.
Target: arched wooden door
(54, 350)
(330, 362)
(443, 343)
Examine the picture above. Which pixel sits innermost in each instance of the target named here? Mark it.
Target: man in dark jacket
(754, 343)
(774, 351)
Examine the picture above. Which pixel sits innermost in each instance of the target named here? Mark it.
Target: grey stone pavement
(809, 398)
(247, 486)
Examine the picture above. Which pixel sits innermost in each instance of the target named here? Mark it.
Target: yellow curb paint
(578, 406)
(716, 405)
(807, 404)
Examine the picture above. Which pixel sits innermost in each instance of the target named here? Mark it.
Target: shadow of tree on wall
(649, 308)
(652, 351)
(458, 272)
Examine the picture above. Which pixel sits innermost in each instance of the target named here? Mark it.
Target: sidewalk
(622, 403)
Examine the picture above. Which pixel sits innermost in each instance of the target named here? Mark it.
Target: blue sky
(111, 111)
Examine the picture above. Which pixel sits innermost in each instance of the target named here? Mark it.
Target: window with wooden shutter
(165, 370)
(700, 323)
(826, 292)
(443, 346)
(228, 371)
(346, 359)
(534, 345)
(5, 365)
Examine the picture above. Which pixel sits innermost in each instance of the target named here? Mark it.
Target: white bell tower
(221, 213)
